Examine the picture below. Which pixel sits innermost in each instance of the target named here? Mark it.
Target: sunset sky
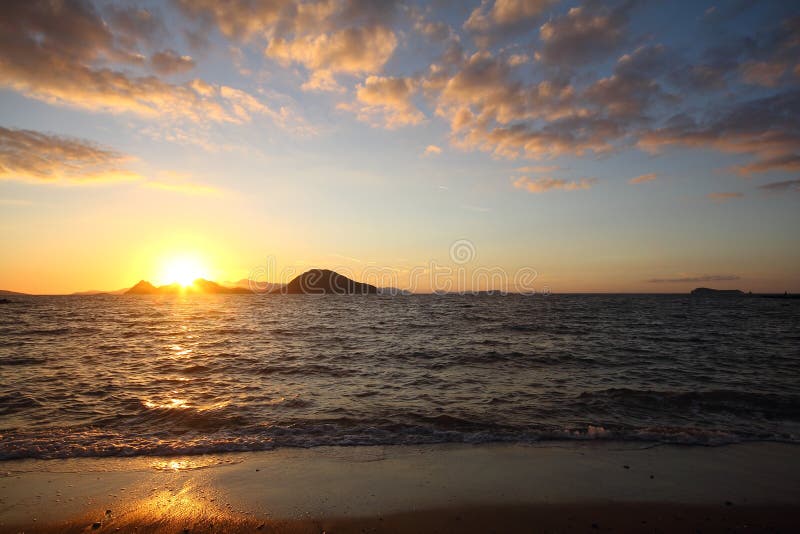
(610, 146)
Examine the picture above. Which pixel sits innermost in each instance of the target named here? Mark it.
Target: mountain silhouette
(708, 292)
(200, 285)
(324, 281)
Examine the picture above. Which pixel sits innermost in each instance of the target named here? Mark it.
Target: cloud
(435, 31)
(432, 150)
(643, 178)
(244, 105)
(539, 168)
(386, 101)
(723, 197)
(763, 73)
(515, 60)
(780, 187)
(631, 89)
(50, 51)
(170, 62)
(789, 162)
(495, 19)
(702, 278)
(352, 50)
(489, 110)
(322, 80)
(37, 157)
(326, 37)
(584, 33)
(767, 128)
(66, 53)
(41, 158)
(239, 19)
(490, 107)
(541, 185)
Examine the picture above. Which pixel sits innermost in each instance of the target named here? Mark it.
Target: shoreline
(468, 488)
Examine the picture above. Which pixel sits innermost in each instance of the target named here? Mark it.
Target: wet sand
(592, 486)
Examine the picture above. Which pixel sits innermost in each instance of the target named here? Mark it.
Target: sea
(106, 375)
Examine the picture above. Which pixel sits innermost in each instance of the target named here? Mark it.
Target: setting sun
(183, 270)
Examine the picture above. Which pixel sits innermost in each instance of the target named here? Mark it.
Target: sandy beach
(567, 486)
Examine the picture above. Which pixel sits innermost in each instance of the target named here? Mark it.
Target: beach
(554, 486)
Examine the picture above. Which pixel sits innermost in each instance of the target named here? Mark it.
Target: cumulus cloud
(541, 185)
(240, 19)
(515, 60)
(352, 50)
(643, 178)
(695, 279)
(432, 150)
(67, 53)
(780, 187)
(494, 19)
(433, 30)
(584, 33)
(326, 37)
(723, 197)
(50, 51)
(485, 105)
(631, 89)
(386, 101)
(31, 156)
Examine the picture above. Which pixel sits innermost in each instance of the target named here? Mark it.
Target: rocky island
(324, 281)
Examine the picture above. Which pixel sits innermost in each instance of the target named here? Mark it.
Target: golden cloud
(352, 50)
(643, 178)
(31, 156)
(386, 101)
(541, 185)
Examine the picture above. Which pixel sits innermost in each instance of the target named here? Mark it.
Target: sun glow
(183, 270)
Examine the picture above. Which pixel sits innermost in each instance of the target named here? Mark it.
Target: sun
(183, 270)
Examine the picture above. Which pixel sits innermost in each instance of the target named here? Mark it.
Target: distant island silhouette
(313, 282)
(325, 281)
(708, 292)
(200, 285)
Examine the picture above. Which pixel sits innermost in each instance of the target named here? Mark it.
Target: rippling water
(109, 375)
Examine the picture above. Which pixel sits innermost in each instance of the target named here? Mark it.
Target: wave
(68, 443)
(10, 404)
(21, 360)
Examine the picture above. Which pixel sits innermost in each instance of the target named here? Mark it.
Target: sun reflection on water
(180, 351)
(172, 403)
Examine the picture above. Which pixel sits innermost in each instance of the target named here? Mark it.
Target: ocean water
(138, 375)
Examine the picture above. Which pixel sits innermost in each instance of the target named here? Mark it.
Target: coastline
(466, 488)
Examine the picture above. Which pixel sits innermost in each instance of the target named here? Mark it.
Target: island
(198, 286)
(324, 281)
(708, 292)
(313, 282)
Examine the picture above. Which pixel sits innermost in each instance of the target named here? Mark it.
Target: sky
(537, 145)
